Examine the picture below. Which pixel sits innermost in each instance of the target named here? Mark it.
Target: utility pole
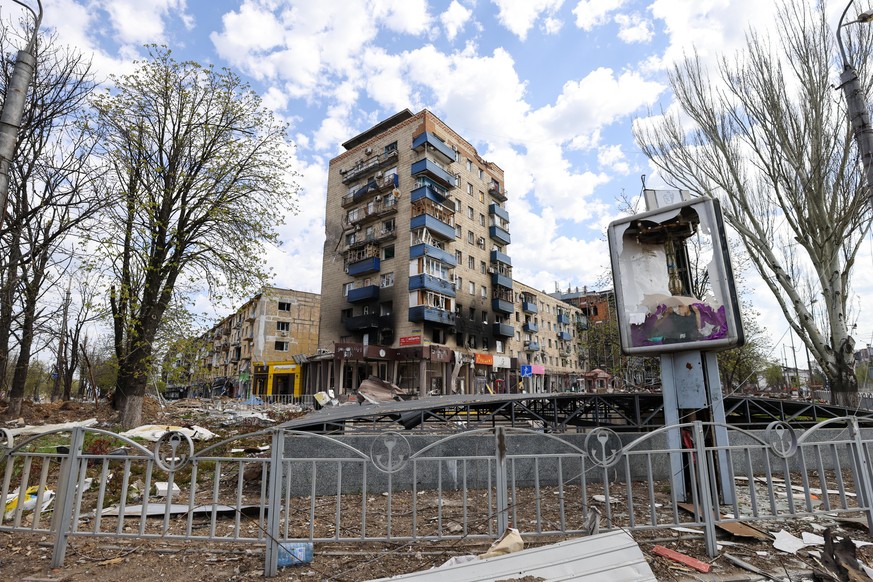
(856, 102)
(62, 346)
(13, 106)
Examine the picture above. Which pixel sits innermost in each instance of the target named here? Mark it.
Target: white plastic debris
(786, 542)
(153, 432)
(161, 488)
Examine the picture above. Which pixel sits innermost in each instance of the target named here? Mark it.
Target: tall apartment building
(417, 283)
(261, 347)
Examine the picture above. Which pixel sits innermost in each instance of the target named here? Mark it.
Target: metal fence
(277, 486)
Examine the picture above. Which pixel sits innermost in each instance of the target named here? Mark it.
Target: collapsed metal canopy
(556, 412)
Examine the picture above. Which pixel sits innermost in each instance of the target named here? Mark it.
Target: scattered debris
(508, 543)
(681, 558)
(294, 554)
(161, 489)
(31, 429)
(375, 390)
(839, 561)
(738, 529)
(28, 500)
(747, 566)
(153, 432)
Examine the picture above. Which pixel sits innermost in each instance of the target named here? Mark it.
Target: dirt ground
(27, 558)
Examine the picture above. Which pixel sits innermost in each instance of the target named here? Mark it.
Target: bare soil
(27, 557)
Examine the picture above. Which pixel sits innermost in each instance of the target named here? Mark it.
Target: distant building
(417, 284)
(261, 347)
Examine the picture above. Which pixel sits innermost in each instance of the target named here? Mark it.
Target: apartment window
(388, 252)
(386, 308)
(485, 317)
(345, 314)
(391, 147)
(459, 257)
(346, 288)
(387, 227)
(471, 263)
(472, 313)
(484, 343)
(350, 239)
(471, 288)
(481, 174)
(283, 326)
(481, 196)
(459, 283)
(484, 292)
(482, 267)
(469, 189)
(498, 346)
(470, 212)
(386, 280)
(470, 237)
(284, 306)
(469, 165)
(481, 219)
(281, 346)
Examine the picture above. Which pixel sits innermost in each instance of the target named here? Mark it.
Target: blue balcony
(498, 257)
(503, 330)
(436, 227)
(563, 318)
(423, 313)
(422, 141)
(528, 306)
(502, 306)
(531, 346)
(502, 280)
(433, 170)
(428, 192)
(431, 283)
(498, 211)
(530, 327)
(421, 250)
(496, 191)
(370, 265)
(565, 336)
(498, 234)
(368, 293)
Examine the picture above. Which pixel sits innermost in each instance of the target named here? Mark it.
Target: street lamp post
(13, 106)
(856, 101)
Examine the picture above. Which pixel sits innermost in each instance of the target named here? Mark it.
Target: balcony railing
(528, 306)
(531, 346)
(366, 293)
(563, 318)
(503, 330)
(530, 327)
(499, 234)
(368, 165)
(438, 228)
(368, 321)
(426, 250)
(435, 171)
(431, 283)
(376, 208)
(429, 142)
(364, 267)
(502, 305)
(374, 186)
(498, 257)
(423, 313)
(503, 279)
(496, 192)
(564, 336)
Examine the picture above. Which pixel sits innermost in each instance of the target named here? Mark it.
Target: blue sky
(546, 89)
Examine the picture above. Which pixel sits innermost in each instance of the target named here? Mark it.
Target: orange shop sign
(410, 340)
(485, 359)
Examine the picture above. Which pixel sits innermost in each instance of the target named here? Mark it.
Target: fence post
(863, 478)
(707, 513)
(274, 503)
(68, 478)
(500, 480)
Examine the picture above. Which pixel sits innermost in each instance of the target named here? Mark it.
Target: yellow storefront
(277, 378)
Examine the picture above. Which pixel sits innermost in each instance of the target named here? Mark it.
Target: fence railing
(277, 486)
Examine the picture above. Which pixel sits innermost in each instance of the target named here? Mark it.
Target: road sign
(526, 371)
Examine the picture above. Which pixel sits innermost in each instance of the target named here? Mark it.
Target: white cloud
(454, 19)
(591, 13)
(141, 21)
(519, 16)
(613, 158)
(406, 16)
(633, 28)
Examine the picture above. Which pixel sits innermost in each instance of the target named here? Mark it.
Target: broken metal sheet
(738, 529)
(44, 428)
(786, 542)
(153, 432)
(160, 509)
(613, 556)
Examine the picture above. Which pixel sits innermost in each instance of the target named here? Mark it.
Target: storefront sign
(380, 353)
(502, 362)
(485, 359)
(438, 353)
(538, 370)
(410, 340)
(348, 351)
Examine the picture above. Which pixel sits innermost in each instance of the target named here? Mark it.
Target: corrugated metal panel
(613, 556)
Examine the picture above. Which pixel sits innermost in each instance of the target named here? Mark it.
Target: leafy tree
(201, 172)
(767, 134)
(774, 376)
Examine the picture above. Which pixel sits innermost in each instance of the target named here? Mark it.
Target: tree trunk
(130, 388)
(844, 390)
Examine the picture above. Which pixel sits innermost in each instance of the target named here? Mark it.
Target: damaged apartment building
(417, 284)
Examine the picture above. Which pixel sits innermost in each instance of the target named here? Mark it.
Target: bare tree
(768, 135)
(52, 188)
(201, 172)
